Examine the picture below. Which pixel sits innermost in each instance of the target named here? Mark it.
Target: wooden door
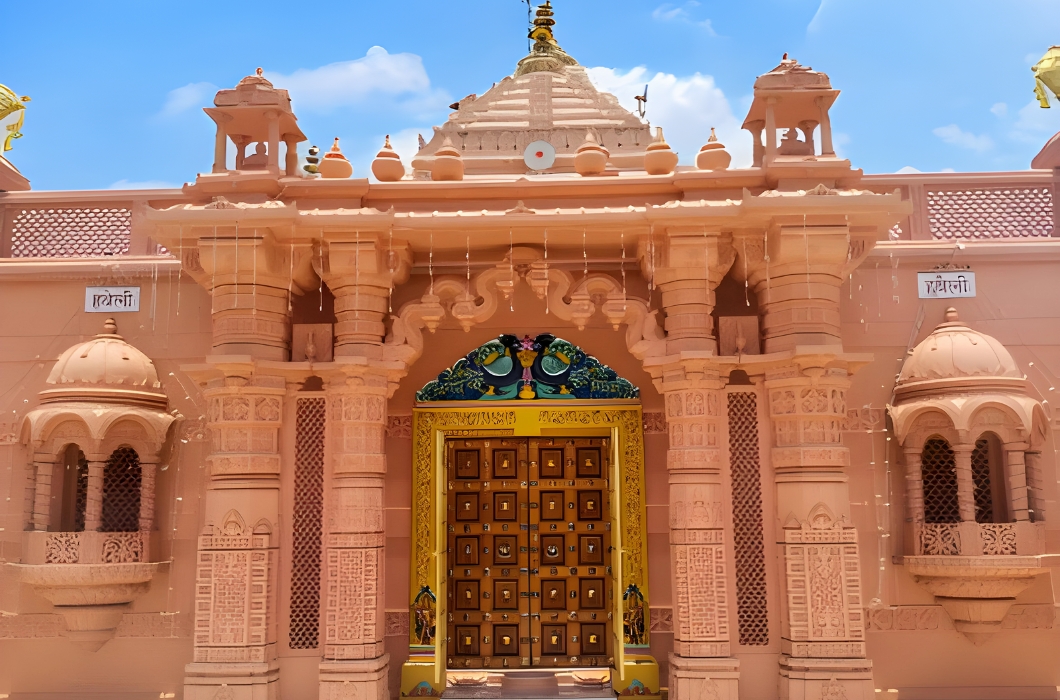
(529, 537)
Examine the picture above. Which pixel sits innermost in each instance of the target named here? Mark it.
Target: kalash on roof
(549, 98)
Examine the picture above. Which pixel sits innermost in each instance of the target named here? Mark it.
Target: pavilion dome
(105, 369)
(955, 355)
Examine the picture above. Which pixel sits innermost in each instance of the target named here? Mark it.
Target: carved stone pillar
(94, 495)
(823, 634)
(702, 661)
(1016, 475)
(147, 494)
(962, 457)
(354, 613)
(359, 272)
(689, 264)
(220, 147)
(914, 499)
(235, 600)
(796, 273)
(1035, 486)
(44, 466)
(248, 276)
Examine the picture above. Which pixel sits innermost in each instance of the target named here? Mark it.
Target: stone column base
(704, 679)
(235, 681)
(355, 680)
(828, 679)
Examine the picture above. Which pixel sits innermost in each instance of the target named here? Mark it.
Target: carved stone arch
(929, 422)
(54, 434)
(1006, 412)
(1040, 428)
(231, 525)
(997, 419)
(131, 430)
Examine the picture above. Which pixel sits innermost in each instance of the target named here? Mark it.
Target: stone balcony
(976, 570)
(91, 578)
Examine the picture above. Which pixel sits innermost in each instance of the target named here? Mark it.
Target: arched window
(74, 495)
(989, 481)
(121, 491)
(939, 472)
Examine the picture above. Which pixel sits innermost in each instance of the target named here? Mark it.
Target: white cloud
(815, 23)
(1000, 109)
(191, 96)
(668, 12)
(686, 107)
(947, 170)
(364, 82)
(144, 185)
(909, 169)
(956, 136)
(840, 141)
(1035, 124)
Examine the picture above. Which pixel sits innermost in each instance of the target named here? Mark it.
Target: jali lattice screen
(747, 519)
(308, 523)
(121, 491)
(984, 499)
(939, 471)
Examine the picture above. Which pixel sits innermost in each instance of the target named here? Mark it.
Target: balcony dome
(105, 369)
(955, 356)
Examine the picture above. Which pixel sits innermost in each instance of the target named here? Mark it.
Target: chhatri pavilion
(538, 414)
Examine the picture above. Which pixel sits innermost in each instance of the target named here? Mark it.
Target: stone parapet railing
(980, 539)
(86, 547)
(950, 206)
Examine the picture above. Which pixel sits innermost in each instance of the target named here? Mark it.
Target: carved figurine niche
(424, 617)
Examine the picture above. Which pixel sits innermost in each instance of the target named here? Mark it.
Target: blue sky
(118, 87)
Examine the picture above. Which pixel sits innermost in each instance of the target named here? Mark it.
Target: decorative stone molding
(911, 618)
(90, 597)
(86, 547)
(654, 422)
(399, 427)
(976, 591)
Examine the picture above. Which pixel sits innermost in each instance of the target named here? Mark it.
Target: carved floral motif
(62, 548)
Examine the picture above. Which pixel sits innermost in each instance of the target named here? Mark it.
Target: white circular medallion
(539, 155)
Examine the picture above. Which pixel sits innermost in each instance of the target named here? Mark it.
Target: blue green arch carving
(543, 367)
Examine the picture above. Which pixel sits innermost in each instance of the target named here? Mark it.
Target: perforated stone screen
(121, 491)
(991, 213)
(747, 520)
(304, 631)
(939, 471)
(81, 499)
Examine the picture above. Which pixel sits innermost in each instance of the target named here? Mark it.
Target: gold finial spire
(545, 54)
(12, 113)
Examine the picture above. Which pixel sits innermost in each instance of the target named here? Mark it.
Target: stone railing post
(235, 603)
(354, 538)
(698, 541)
(824, 630)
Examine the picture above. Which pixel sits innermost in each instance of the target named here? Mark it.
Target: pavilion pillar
(823, 630)
(94, 494)
(273, 155)
(962, 458)
(354, 663)
(291, 155)
(220, 148)
(1016, 475)
(914, 499)
(702, 657)
(234, 635)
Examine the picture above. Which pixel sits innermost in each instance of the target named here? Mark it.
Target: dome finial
(951, 314)
(110, 327)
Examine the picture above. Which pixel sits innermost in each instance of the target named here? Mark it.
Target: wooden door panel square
(467, 507)
(467, 551)
(551, 505)
(592, 595)
(553, 640)
(467, 464)
(593, 638)
(467, 595)
(590, 549)
(552, 549)
(505, 595)
(505, 550)
(506, 640)
(551, 464)
(588, 463)
(590, 505)
(467, 640)
(504, 464)
(505, 506)
(553, 594)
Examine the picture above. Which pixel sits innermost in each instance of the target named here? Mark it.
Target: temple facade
(538, 414)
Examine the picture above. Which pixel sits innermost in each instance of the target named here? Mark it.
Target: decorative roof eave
(961, 409)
